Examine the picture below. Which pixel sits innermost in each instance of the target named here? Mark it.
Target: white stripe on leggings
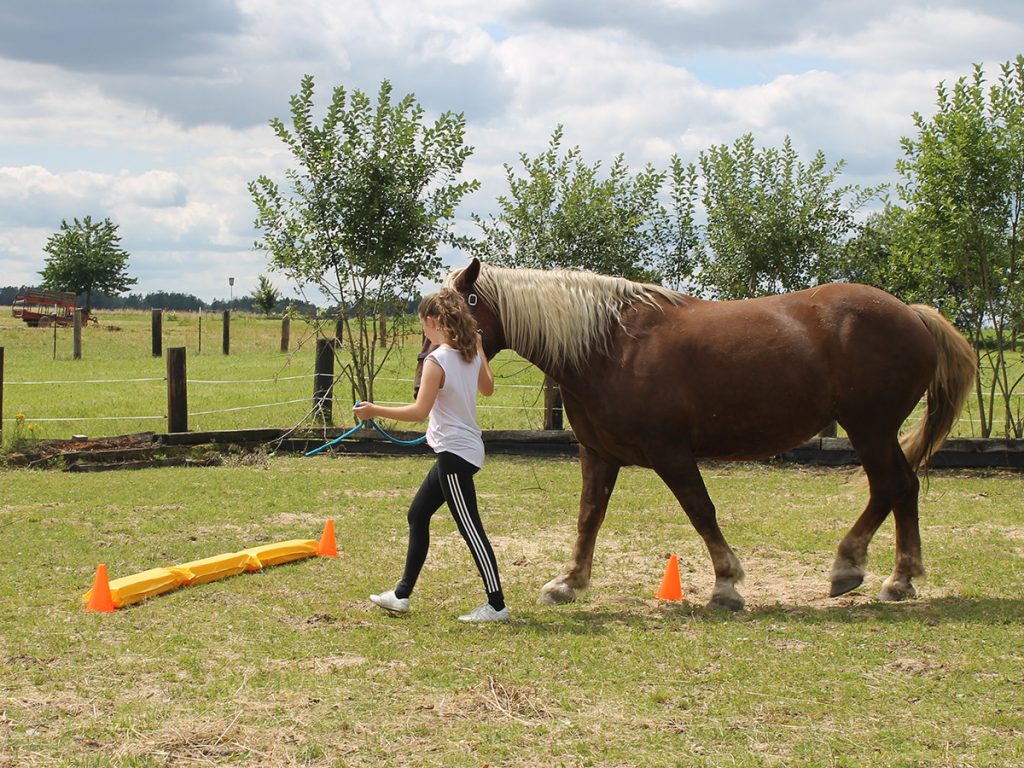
(472, 535)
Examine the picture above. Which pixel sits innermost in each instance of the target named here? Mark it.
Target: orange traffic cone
(671, 585)
(100, 599)
(328, 546)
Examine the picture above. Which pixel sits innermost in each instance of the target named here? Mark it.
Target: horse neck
(560, 373)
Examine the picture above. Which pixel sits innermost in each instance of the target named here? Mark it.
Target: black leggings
(449, 481)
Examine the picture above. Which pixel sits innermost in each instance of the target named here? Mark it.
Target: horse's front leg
(682, 476)
(599, 478)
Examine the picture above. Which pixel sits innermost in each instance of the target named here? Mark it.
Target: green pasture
(118, 387)
(292, 666)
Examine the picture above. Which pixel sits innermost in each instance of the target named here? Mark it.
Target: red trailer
(44, 308)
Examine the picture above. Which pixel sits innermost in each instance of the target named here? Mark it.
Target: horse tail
(947, 391)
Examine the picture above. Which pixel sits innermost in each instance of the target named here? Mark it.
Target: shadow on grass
(942, 610)
(947, 610)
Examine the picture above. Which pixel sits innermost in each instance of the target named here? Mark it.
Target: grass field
(129, 381)
(292, 666)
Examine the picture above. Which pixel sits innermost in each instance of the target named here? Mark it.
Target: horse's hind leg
(599, 478)
(893, 486)
(909, 562)
(682, 476)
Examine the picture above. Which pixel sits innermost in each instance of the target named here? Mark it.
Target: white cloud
(905, 37)
(163, 133)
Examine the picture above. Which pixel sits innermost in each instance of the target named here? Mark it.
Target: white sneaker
(486, 613)
(389, 601)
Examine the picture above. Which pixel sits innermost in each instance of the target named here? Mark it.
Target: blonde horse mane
(560, 316)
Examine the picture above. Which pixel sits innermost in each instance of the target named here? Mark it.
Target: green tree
(964, 181)
(683, 243)
(370, 201)
(562, 212)
(265, 296)
(875, 255)
(86, 256)
(773, 223)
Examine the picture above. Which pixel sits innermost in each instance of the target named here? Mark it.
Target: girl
(451, 376)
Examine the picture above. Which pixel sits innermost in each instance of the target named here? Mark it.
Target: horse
(654, 378)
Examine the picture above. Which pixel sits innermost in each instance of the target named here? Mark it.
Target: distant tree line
(178, 302)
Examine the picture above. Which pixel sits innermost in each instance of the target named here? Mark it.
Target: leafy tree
(773, 223)
(86, 256)
(370, 201)
(564, 213)
(561, 212)
(683, 239)
(875, 255)
(964, 181)
(265, 296)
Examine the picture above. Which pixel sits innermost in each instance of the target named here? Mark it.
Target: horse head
(486, 315)
(489, 324)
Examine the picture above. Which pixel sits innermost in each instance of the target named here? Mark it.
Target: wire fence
(74, 383)
(529, 405)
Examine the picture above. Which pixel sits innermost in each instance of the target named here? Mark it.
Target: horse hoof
(727, 603)
(845, 584)
(893, 593)
(556, 593)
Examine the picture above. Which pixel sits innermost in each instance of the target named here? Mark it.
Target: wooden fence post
(1, 397)
(177, 391)
(552, 404)
(323, 381)
(78, 335)
(286, 327)
(157, 324)
(226, 344)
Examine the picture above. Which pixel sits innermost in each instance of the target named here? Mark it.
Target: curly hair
(452, 314)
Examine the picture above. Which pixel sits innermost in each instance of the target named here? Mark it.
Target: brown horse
(657, 379)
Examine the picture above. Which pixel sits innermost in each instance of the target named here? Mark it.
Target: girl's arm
(485, 381)
(430, 384)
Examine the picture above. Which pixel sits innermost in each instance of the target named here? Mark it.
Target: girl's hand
(364, 411)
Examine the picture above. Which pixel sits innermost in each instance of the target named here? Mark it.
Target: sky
(156, 114)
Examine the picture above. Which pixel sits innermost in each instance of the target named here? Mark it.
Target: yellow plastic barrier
(155, 581)
(218, 567)
(282, 552)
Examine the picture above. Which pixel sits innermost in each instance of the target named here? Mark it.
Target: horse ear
(467, 277)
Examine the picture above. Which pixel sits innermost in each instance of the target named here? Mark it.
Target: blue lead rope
(359, 426)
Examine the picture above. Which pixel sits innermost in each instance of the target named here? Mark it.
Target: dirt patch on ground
(622, 572)
(46, 450)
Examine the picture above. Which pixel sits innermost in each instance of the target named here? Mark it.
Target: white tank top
(452, 424)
